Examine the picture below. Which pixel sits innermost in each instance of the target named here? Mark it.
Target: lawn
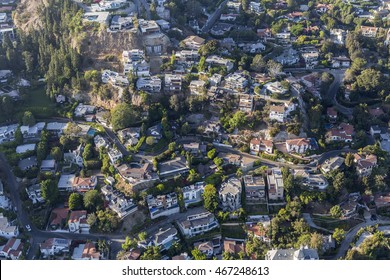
(259, 209)
(37, 102)
(158, 147)
(233, 231)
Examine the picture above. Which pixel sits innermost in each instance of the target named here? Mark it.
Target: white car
(28, 227)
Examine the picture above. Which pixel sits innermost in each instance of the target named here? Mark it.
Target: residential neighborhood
(194, 130)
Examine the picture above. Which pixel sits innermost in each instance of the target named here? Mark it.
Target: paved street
(213, 18)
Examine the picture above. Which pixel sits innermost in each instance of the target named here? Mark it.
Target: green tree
(92, 200)
(210, 197)
(129, 244)
(258, 64)
(338, 235)
(349, 159)
(28, 119)
(142, 235)
(122, 116)
(209, 48)
(88, 152)
(56, 153)
(317, 241)
(49, 190)
(151, 253)
(18, 136)
(335, 211)
(107, 220)
(212, 153)
(75, 201)
(150, 140)
(197, 254)
(193, 176)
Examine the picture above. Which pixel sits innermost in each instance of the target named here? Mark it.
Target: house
(6, 229)
(311, 181)
(258, 145)
(278, 113)
(28, 163)
(58, 218)
(164, 25)
(135, 172)
(149, 84)
(173, 167)
(376, 112)
(341, 62)
(134, 254)
(230, 194)
(192, 148)
(365, 164)
(236, 81)
(173, 82)
(215, 60)
(349, 208)
(81, 110)
(233, 247)
(368, 31)
(311, 58)
(328, 243)
(246, 103)
(260, 232)
(274, 88)
(299, 146)
(84, 184)
(34, 194)
(182, 257)
(187, 56)
(99, 17)
(343, 132)
(338, 36)
(134, 62)
(254, 189)
(119, 23)
(54, 246)
(56, 128)
(275, 184)
(7, 132)
(215, 79)
(86, 251)
(264, 34)
(12, 249)
(164, 238)
(232, 5)
(193, 42)
(193, 194)
(118, 203)
(288, 57)
(228, 17)
(283, 37)
(65, 184)
(114, 154)
(78, 221)
(375, 130)
(48, 165)
(162, 205)
(230, 158)
(255, 7)
(32, 131)
(331, 113)
(197, 87)
(382, 200)
(155, 131)
(292, 254)
(331, 164)
(100, 142)
(197, 224)
(148, 27)
(205, 247)
(21, 149)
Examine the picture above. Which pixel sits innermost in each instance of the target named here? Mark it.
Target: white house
(114, 154)
(260, 145)
(230, 194)
(198, 224)
(78, 222)
(86, 251)
(6, 229)
(53, 246)
(193, 193)
(118, 203)
(299, 146)
(275, 184)
(164, 238)
(162, 205)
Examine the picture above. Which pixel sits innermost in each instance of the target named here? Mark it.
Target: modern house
(230, 194)
(275, 184)
(173, 167)
(6, 229)
(311, 181)
(193, 194)
(365, 164)
(292, 254)
(197, 224)
(164, 238)
(84, 184)
(162, 205)
(254, 189)
(118, 203)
